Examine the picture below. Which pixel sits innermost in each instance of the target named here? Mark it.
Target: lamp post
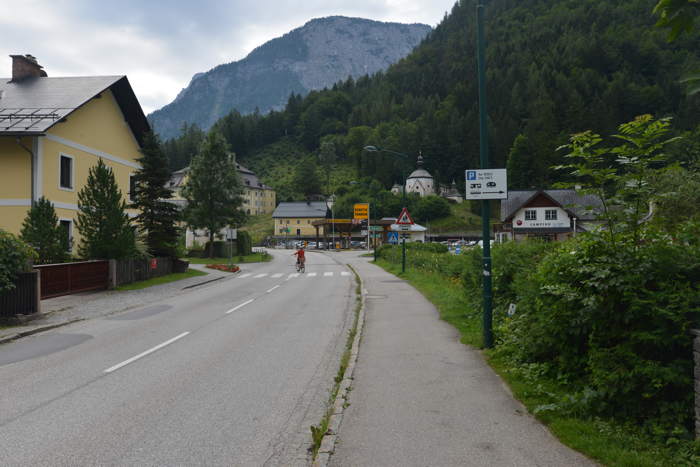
(484, 156)
(403, 194)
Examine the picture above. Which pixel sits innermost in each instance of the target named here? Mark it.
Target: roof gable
(584, 207)
(34, 105)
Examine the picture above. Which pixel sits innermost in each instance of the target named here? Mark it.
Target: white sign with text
(486, 184)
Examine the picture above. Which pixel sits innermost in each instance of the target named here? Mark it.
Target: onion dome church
(420, 181)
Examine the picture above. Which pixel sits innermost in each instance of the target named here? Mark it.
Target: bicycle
(301, 266)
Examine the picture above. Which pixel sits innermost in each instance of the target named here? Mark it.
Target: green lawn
(460, 219)
(253, 258)
(162, 280)
(608, 442)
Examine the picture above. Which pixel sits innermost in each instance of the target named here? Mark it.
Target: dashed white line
(327, 274)
(143, 354)
(245, 275)
(239, 306)
(260, 275)
(276, 276)
(344, 273)
(273, 288)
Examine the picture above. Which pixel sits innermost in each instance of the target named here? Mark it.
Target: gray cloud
(159, 45)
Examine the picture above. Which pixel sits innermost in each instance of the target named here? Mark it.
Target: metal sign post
(405, 222)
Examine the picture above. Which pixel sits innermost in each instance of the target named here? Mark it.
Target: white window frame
(72, 172)
(70, 231)
(529, 212)
(551, 215)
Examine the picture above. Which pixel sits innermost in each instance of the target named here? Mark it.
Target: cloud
(159, 45)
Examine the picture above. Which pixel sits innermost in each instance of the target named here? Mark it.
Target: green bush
(615, 320)
(244, 243)
(15, 257)
(427, 256)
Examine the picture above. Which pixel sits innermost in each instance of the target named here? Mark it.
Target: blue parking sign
(471, 174)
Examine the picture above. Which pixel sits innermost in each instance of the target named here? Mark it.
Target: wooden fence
(69, 278)
(23, 299)
(133, 270)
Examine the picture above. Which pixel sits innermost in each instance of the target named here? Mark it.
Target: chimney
(26, 66)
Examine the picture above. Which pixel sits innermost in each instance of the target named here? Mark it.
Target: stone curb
(19, 335)
(331, 437)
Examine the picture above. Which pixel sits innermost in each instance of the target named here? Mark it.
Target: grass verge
(252, 258)
(320, 430)
(162, 280)
(608, 442)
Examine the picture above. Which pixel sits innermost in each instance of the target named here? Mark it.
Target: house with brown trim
(551, 215)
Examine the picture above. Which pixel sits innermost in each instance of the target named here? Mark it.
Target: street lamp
(403, 194)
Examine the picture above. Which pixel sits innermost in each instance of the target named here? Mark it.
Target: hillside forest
(555, 68)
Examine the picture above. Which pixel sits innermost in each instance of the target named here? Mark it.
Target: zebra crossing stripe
(312, 274)
(293, 275)
(344, 273)
(260, 275)
(278, 275)
(244, 276)
(327, 274)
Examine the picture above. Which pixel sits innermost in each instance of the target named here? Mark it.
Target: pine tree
(42, 231)
(102, 219)
(306, 179)
(157, 218)
(213, 190)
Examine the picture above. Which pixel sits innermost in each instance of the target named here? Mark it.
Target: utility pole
(484, 159)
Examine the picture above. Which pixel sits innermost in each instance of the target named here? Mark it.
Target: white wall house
(546, 214)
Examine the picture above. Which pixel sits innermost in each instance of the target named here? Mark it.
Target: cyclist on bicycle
(301, 257)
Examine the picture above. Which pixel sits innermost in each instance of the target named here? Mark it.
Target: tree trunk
(211, 243)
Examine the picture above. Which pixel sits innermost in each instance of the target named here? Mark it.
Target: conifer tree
(306, 179)
(42, 231)
(213, 190)
(157, 218)
(102, 219)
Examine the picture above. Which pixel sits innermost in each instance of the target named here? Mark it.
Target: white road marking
(344, 273)
(270, 290)
(312, 274)
(239, 306)
(245, 275)
(260, 275)
(275, 276)
(293, 275)
(327, 274)
(143, 354)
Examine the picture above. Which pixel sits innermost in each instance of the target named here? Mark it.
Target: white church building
(420, 181)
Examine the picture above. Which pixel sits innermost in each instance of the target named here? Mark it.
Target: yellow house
(53, 130)
(296, 219)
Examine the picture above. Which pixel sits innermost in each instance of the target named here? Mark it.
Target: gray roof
(584, 207)
(316, 209)
(420, 173)
(33, 105)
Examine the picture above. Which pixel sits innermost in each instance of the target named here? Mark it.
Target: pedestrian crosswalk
(293, 275)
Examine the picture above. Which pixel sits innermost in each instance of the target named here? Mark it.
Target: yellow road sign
(361, 211)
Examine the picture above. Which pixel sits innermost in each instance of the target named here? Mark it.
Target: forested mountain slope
(314, 56)
(555, 67)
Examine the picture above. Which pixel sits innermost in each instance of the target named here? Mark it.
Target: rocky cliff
(316, 55)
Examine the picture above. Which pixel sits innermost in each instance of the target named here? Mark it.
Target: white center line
(143, 354)
(270, 290)
(245, 275)
(260, 275)
(275, 276)
(327, 274)
(311, 274)
(239, 306)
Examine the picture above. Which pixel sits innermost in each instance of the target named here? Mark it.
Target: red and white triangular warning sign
(405, 218)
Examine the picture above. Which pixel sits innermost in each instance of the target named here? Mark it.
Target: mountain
(554, 68)
(311, 57)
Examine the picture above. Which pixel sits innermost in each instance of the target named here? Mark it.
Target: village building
(451, 193)
(53, 130)
(551, 215)
(295, 219)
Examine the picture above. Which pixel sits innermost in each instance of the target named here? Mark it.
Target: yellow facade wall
(258, 201)
(95, 130)
(304, 225)
(15, 171)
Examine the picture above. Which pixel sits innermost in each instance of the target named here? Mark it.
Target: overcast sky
(160, 44)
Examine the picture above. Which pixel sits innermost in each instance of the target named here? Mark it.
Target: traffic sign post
(405, 222)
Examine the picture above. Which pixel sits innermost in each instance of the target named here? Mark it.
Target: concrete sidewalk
(421, 398)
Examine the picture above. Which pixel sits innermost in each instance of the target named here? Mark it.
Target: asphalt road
(233, 373)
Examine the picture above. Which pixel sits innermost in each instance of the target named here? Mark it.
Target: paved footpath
(421, 398)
